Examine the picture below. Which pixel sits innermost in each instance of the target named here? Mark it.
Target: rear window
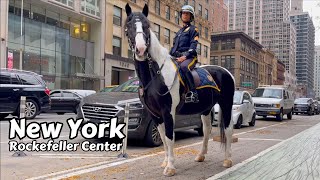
(29, 79)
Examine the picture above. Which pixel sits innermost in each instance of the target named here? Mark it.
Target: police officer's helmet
(187, 8)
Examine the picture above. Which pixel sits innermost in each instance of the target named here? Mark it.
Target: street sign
(246, 84)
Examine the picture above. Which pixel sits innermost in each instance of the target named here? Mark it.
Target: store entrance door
(120, 75)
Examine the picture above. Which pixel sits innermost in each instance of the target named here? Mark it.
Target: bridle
(131, 44)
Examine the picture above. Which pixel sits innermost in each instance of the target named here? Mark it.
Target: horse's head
(137, 30)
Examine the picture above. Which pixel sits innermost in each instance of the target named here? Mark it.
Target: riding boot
(192, 95)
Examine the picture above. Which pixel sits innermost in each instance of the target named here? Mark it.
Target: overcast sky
(313, 7)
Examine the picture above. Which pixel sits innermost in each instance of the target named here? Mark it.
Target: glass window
(167, 36)
(38, 13)
(168, 12)
(28, 79)
(52, 18)
(130, 52)
(200, 10)
(31, 59)
(68, 94)
(205, 51)
(75, 28)
(91, 7)
(185, 2)
(200, 29)
(117, 15)
(66, 2)
(84, 31)
(157, 7)
(130, 86)
(215, 45)
(193, 3)
(5, 78)
(116, 43)
(177, 17)
(206, 32)
(48, 62)
(157, 30)
(206, 14)
(32, 35)
(56, 94)
(199, 49)
(214, 60)
(48, 37)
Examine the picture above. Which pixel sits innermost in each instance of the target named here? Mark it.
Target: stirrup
(191, 97)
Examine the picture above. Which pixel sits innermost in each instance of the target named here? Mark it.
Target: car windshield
(130, 86)
(268, 93)
(108, 89)
(237, 97)
(301, 100)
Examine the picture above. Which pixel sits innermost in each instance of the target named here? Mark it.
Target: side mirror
(246, 101)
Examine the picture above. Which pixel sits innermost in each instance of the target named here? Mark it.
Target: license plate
(272, 113)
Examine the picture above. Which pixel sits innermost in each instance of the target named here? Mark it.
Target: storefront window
(48, 62)
(48, 37)
(85, 29)
(31, 59)
(91, 7)
(75, 28)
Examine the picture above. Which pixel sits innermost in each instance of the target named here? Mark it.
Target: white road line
(103, 165)
(239, 165)
(258, 139)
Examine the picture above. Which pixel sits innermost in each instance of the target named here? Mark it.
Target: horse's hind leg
(227, 130)
(161, 130)
(206, 124)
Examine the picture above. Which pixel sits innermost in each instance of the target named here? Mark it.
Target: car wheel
(153, 137)
(289, 115)
(2, 116)
(253, 120)
(279, 117)
(60, 113)
(309, 112)
(31, 109)
(264, 116)
(239, 123)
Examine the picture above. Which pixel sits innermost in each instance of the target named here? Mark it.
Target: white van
(273, 101)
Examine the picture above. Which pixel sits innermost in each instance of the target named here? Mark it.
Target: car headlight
(276, 105)
(132, 106)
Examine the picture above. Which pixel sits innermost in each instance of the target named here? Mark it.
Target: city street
(144, 162)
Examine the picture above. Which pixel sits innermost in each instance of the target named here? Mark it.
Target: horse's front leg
(162, 130)
(206, 124)
(168, 118)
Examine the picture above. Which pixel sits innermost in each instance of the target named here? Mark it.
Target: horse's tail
(226, 83)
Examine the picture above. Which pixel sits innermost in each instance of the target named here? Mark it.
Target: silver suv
(273, 101)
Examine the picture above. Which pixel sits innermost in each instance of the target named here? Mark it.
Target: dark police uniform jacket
(185, 42)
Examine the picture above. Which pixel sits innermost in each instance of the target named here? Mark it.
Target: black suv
(16, 83)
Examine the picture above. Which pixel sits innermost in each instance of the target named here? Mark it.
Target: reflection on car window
(268, 93)
(68, 94)
(302, 100)
(130, 86)
(237, 97)
(55, 94)
(28, 79)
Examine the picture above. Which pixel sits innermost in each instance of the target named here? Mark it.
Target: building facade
(61, 40)
(305, 49)
(219, 18)
(296, 6)
(317, 72)
(280, 73)
(165, 22)
(240, 54)
(266, 66)
(268, 23)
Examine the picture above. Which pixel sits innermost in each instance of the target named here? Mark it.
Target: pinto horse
(162, 92)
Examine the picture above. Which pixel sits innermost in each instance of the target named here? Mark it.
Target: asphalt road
(143, 162)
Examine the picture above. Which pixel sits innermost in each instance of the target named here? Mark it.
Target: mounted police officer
(184, 49)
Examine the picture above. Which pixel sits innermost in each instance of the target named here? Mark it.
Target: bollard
(124, 141)
(21, 116)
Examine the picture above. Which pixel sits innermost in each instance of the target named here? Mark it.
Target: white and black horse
(162, 91)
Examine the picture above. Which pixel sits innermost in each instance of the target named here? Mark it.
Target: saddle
(202, 78)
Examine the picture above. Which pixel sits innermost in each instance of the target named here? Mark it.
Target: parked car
(273, 101)
(243, 111)
(108, 88)
(316, 107)
(67, 101)
(16, 83)
(304, 105)
(103, 106)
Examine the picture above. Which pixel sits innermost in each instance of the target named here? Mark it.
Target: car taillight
(47, 91)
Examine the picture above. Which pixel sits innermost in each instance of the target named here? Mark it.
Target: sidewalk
(295, 158)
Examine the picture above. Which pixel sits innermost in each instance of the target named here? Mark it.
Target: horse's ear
(145, 10)
(128, 9)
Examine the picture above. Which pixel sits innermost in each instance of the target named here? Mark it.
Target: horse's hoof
(164, 164)
(169, 171)
(227, 163)
(200, 158)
